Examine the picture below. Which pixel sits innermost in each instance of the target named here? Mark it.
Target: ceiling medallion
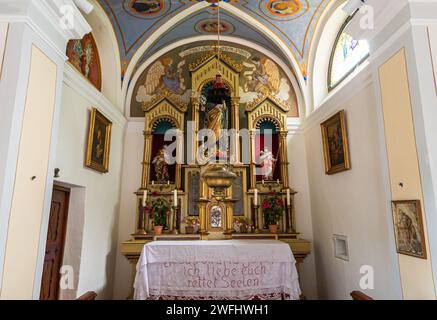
(284, 9)
(146, 8)
(211, 26)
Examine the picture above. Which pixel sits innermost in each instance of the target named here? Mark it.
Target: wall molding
(82, 86)
(43, 17)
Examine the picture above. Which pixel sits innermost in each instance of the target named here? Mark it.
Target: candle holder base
(141, 232)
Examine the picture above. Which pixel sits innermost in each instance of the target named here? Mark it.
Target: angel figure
(268, 164)
(264, 76)
(163, 75)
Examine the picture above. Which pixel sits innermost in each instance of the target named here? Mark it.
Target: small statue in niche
(268, 163)
(161, 161)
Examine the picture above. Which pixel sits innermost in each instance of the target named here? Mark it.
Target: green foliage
(159, 208)
(273, 209)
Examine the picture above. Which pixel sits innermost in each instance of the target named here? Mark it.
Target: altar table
(217, 270)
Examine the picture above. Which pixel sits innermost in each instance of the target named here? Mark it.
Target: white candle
(288, 197)
(145, 198)
(278, 181)
(175, 198)
(153, 183)
(256, 197)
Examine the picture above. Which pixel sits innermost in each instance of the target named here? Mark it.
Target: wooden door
(55, 244)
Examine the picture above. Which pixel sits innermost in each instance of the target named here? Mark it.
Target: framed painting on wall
(99, 142)
(409, 232)
(335, 144)
(84, 57)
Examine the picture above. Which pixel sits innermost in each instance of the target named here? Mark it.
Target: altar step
(235, 236)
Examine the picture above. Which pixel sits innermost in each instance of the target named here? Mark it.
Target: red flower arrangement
(273, 208)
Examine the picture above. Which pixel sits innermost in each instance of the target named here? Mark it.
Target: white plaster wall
(99, 243)
(352, 203)
(131, 182)
(299, 182)
(109, 54)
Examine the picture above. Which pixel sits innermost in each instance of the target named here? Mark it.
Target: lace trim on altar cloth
(259, 294)
(266, 296)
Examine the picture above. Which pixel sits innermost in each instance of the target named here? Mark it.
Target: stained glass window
(348, 54)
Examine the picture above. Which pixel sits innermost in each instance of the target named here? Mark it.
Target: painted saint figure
(161, 162)
(268, 164)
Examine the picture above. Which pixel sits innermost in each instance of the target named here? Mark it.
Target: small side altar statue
(268, 163)
(161, 161)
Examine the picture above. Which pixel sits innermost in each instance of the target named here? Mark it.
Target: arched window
(346, 56)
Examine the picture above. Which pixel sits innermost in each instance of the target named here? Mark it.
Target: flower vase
(189, 229)
(157, 230)
(273, 228)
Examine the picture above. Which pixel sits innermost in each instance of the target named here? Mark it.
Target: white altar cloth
(228, 269)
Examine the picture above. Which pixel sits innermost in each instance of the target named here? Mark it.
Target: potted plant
(191, 222)
(273, 208)
(158, 210)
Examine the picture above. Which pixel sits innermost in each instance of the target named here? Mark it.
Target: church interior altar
(236, 188)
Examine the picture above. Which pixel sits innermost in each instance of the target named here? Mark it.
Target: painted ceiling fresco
(293, 21)
(170, 73)
(205, 23)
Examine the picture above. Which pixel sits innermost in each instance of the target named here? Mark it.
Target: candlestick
(145, 198)
(255, 200)
(141, 229)
(288, 197)
(175, 198)
(175, 220)
(255, 218)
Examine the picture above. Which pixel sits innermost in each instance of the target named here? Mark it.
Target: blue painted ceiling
(294, 22)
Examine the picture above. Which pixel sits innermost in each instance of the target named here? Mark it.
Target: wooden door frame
(58, 187)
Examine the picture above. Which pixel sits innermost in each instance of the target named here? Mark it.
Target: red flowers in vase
(273, 209)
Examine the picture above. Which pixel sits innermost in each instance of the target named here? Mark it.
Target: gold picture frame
(408, 227)
(335, 144)
(99, 142)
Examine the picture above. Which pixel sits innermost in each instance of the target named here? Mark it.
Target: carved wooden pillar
(146, 159)
(252, 159)
(284, 158)
(236, 127)
(195, 118)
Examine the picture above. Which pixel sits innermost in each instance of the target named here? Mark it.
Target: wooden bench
(90, 295)
(359, 296)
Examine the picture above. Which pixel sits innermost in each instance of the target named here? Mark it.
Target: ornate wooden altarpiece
(194, 196)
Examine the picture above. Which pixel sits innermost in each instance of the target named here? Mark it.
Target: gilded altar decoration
(99, 142)
(84, 56)
(219, 178)
(409, 232)
(335, 144)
